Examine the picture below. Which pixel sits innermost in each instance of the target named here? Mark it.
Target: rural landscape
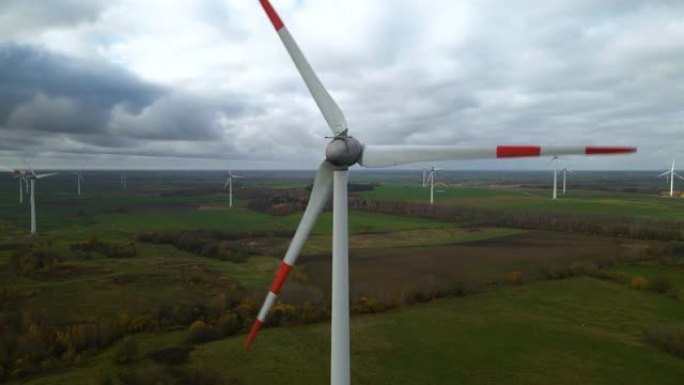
(159, 282)
(243, 192)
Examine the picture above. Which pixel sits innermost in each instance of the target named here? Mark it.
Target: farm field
(578, 330)
(432, 300)
(527, 199)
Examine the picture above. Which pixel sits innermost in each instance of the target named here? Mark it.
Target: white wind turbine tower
(671, 174)
(32, 177)
(431, 178)
(229, 184)
(332, 176)
(565, 171)
(124, 179)
(79, 180)
(554, 160)
(23, 183)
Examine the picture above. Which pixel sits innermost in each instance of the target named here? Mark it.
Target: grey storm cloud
(42, 91)
(67, 103)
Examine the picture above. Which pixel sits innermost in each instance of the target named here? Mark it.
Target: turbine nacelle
(344, 151)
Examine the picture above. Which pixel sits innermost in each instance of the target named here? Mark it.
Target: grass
(674, 274)
(421, 237)
(510, 198)
(242, 221)
(578, 330)
(562, 332)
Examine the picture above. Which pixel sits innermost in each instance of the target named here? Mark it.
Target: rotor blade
(331, 112)
(678, 176)
(46, 175)
(665, 173)
(387, 156)
(226, 184)
(319, 196)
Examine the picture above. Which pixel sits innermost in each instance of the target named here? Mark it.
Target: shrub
(227, 325)
(367, 305)
(514, 277)
(127, 351)
(638, 282)
(669, 338)
(108, 249)
(659, 284)
(557, 272)
(199, 333)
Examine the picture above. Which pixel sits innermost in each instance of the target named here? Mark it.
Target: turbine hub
(343, 151)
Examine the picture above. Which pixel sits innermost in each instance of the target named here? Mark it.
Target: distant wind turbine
(124, 178)
(229, 184)
(565, 172)
(431, 179)
(332, 178)
(671, 173)
(32, 177)
(23, 182)
(79, 180)
(554, 160)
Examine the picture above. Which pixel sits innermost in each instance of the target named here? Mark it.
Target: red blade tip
(252, 333)
(610, 150)
(272, 15)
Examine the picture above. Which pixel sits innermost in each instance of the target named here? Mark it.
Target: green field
(674, 274)
(525, 199)
(564, 332)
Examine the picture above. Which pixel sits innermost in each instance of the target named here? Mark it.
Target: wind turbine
(22, 183)
(123, 180)
(431, 178)
(79, 180)
(32, 177)
(332, 176)
(554, 160)
(565, 171)
(20, 175)
(671, 173)
(229, 183)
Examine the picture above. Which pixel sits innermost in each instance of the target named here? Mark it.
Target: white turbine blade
(331, 112)
(665, 173)
(46, 175)
(319, 196)
(226, 184)
(678, 176)
(386, 156)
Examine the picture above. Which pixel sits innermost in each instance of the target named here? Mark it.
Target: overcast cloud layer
(207, 83)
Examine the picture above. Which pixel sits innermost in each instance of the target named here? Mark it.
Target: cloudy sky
(207, 83)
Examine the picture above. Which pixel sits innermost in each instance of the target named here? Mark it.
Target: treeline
(30, 343)
(277, 202)
(31, 259)
(109, 249)
(211, 244)
(592, 224)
